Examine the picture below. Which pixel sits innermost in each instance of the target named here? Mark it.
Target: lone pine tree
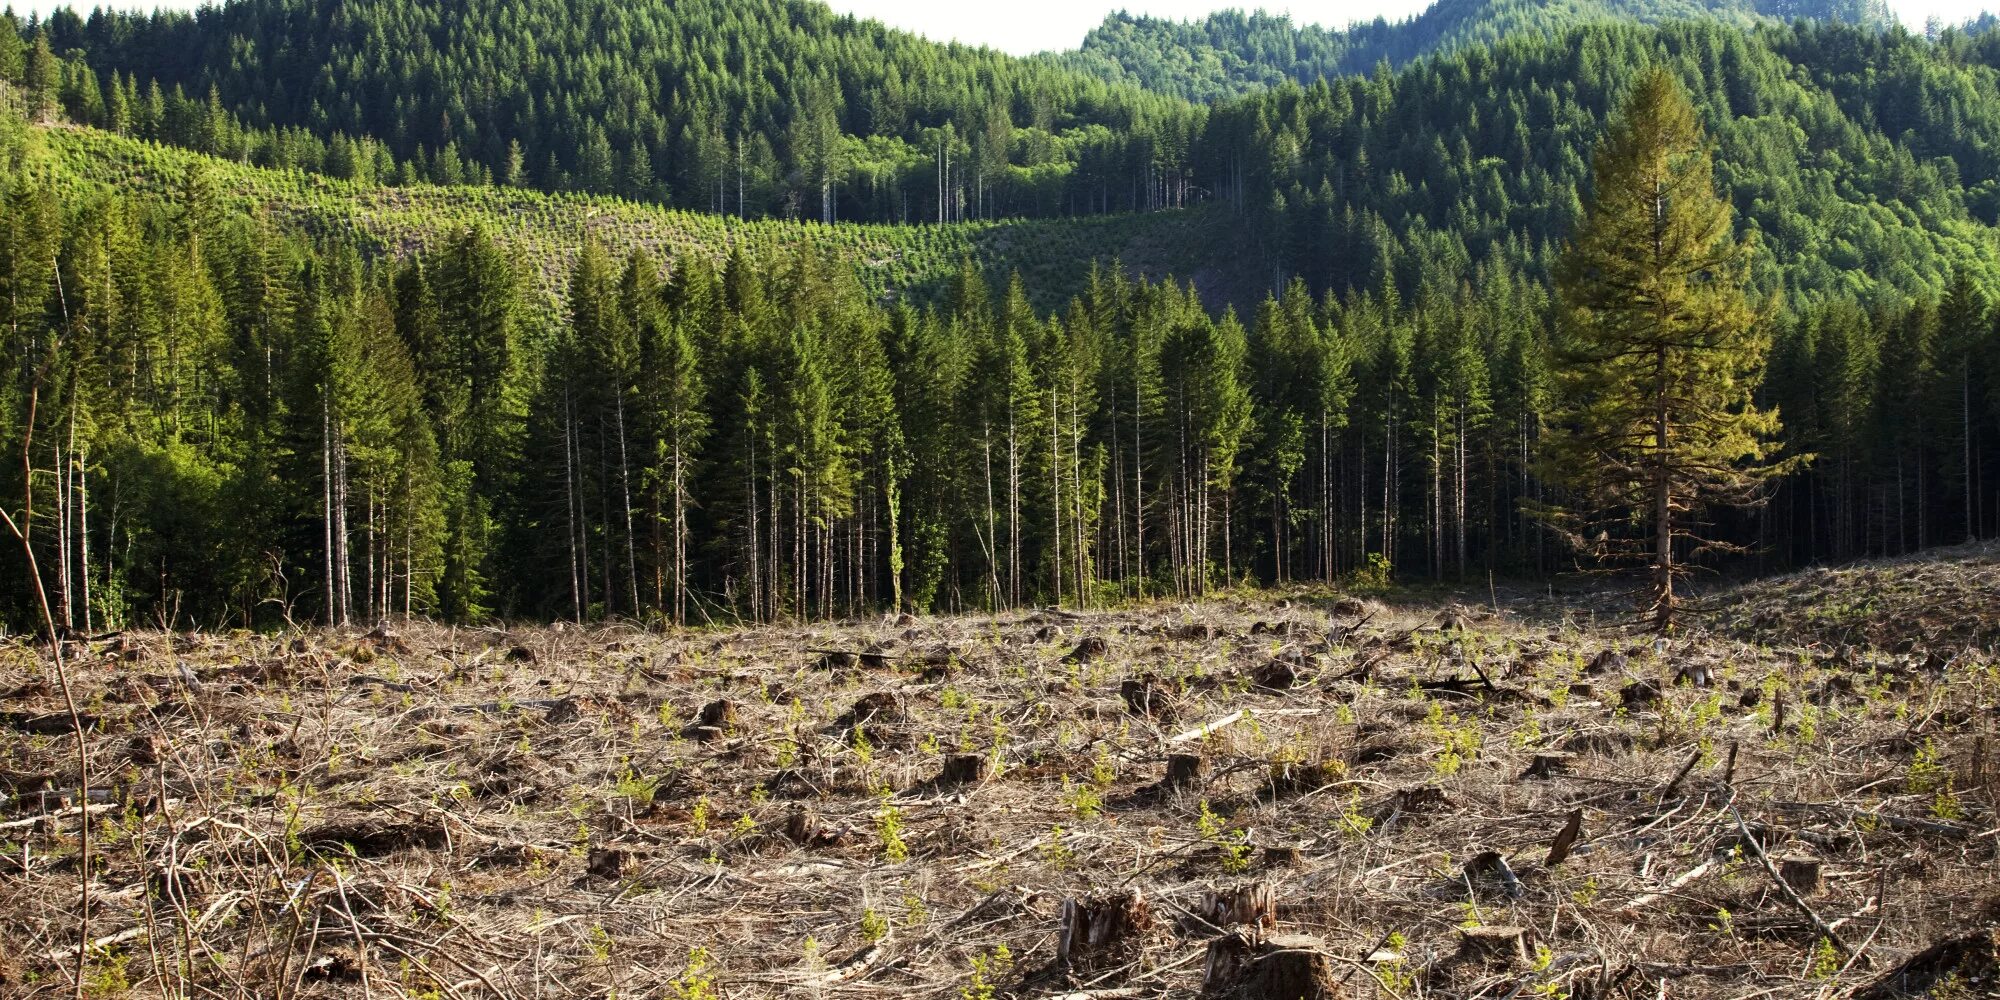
(1660, 349)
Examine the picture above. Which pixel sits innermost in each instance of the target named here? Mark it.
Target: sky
(1025, 26)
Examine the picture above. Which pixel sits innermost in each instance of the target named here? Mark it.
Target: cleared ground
(1367, 791)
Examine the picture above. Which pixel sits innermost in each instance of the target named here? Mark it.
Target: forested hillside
(231, 422)
(1231, 53)
(1862, 159)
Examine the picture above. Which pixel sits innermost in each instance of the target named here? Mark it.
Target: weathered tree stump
(962, 769)
(1547, 765)
(1501, 945)
(1349, 607)
(1184, 771)
(1639, 694)
(1276, 675)
(1280, 967)
(1800, 872)
(1149, 696)
(1252, 904)
(1100, 932)
(1092, 647)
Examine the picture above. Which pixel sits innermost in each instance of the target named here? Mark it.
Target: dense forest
(1862, 159)
(226, 422)
(354, 391)
(1231, 54)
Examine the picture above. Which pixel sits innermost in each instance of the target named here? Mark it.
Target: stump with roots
(1244, 963)
(1251, 904)
(1103, 932)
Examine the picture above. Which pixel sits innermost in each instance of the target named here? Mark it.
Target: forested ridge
(1863, 158)
(1231, 53)
(247, 391)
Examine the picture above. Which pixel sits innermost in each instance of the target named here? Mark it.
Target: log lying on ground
(1102, 932)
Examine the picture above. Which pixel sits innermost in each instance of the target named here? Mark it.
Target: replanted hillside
(544, 231)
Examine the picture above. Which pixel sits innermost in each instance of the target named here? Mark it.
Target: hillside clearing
(903, 808)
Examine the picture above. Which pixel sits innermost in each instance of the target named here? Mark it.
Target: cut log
(1252, 904)
(962, 769)
(1500, 945)
(1102, 932)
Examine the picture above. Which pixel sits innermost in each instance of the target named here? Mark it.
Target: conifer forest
(238, 405)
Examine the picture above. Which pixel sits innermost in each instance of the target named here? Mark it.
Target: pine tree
(1661, 350)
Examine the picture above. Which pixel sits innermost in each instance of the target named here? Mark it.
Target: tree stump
(1101, 932)
(719, 714)
(1800, 872)
(1547, 765)
(1091, 648)
(1149, 696)
(1185, 770)
(962, 769)
(1276, 675)
(1252, 904)
(1503, 945)
(1280, 967)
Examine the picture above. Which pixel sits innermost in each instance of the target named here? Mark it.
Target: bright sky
(1024, 26)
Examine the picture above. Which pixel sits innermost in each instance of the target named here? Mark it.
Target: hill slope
(545, 231)
(1231, 53)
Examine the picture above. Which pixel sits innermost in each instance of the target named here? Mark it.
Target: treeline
(226, 425)
(1231, 54)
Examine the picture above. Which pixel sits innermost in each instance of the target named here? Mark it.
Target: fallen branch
(1237, 716)
(1785, 888)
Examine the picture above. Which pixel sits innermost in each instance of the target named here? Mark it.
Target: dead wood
(1105, 931)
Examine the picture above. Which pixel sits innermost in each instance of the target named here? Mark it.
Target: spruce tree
(1661, 349)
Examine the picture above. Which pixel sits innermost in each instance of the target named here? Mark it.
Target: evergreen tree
(1662, 348)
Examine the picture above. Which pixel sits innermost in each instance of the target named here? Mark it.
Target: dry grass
(539, 813)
